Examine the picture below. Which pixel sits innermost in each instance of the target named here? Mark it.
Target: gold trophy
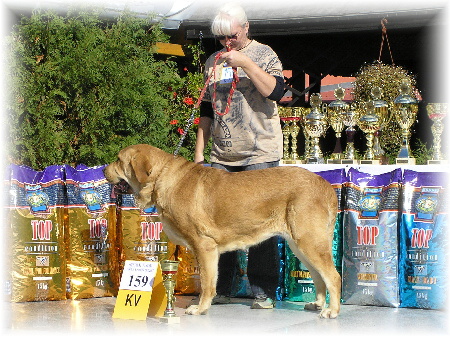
(284, 116)
(336, 111)
(437, 112)
(381, 110)
(290, 117)
(369, 124)
(405, 112)
(295, 129)
(169, 269)
(315, 125)
(285, 130)
(350, 119)
(303, 112)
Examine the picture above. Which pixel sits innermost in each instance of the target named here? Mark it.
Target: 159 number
(138, 281)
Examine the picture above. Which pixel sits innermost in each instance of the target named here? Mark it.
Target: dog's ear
(141, 167)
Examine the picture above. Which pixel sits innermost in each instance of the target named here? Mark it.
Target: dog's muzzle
(121, 188)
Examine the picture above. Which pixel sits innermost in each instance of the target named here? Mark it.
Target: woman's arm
(203, 135)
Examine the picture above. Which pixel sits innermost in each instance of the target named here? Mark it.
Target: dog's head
(135, 171)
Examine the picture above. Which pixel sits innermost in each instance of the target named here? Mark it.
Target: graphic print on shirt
(251, 130)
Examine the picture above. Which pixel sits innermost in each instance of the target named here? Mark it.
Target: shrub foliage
(81, 88)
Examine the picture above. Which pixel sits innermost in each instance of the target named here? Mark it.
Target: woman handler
(246, 132)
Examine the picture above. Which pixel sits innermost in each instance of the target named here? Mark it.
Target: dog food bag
(370, 251)
(141, 237)
(92, 262)
(281, 289)
(298, 281)
(140, 233)
(188, 276)
(36, 216)
(424, 240)
(7, 236)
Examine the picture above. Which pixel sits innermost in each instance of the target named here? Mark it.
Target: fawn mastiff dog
(212, 211)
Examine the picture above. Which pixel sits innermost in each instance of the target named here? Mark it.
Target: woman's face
(238, 38)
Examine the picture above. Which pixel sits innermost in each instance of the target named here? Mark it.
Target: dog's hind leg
(332, 279)
(319, 284)
(207, 256)
(320, 287)
(324, 274)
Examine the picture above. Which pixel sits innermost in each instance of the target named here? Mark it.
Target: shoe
(263, 303)
(221, 299)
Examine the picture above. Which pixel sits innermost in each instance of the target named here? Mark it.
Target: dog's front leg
(208, 258)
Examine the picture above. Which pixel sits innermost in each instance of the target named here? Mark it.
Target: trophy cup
(437, 112)
(350, 119)
(303, 112)
(290, 117)
(369, 124)
(315, 126)
(169, 269)
(295, 129)
(282, 111)
(336, 111)
(285, 131)
(381, 110)
(405, 111)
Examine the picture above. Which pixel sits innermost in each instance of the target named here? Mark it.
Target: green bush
(81, 88)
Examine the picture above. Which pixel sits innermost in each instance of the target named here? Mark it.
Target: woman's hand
(264, 82)
(235, 59)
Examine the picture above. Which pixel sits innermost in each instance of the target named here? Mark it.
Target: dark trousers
(263, 259)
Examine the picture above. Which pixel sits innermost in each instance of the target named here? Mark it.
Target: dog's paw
(195, 310)
(328, 313)
(313, 306)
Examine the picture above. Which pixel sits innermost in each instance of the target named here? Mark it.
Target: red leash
(202, 93)
(232, 89)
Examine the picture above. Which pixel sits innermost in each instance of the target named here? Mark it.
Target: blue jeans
(245, 168)
(263, 259)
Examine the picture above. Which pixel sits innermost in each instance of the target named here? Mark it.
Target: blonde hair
(227, 14)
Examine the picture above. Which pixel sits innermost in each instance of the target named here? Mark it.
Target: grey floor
(93, 317)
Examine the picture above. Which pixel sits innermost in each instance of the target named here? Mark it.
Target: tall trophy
(336, 112)
(291, 118)
(315, 125)
(350, 119)
(284, 116)
(381, 110)
(437, 112)
(303, 112)
(169, 269)
(405, 112)
(369, 124)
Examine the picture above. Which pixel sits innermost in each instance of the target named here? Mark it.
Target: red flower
(180, 131)
(188, 100)
(174, 122)
(197, 120)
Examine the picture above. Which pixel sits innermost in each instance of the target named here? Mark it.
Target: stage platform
(93, 317)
